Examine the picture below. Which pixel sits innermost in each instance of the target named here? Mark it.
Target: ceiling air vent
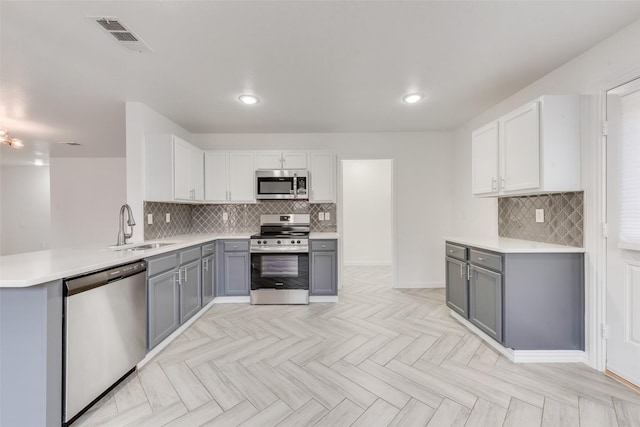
(122, 34)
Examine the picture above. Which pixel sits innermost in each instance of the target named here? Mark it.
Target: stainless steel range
(280, 260)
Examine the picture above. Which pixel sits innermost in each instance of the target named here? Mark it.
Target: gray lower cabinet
(174, 292)
(323, 268)
(163, 293)
(208, 273)
(485, 301)
(233, 272)
(525, 301)
(457, 291)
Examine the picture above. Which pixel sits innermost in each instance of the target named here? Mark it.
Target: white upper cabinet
(484, 164)
(282, 160)
(173, 170)
(533, 149)
(322, 176)
(229, 177)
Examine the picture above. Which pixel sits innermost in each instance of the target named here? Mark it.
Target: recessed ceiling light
(412, 98)
(248, 99)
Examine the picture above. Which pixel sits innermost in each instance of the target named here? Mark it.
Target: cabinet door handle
(494, 184)
(461, 270)
(205, 264)
(503, 183)
(185, 274)
(176, 277)
(468, 272)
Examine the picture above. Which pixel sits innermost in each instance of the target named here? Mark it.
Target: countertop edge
(508, 246)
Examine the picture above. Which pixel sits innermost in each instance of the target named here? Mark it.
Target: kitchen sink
(142, 246)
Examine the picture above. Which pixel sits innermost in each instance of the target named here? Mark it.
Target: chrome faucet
(122, 235)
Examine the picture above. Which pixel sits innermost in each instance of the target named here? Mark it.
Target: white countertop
(323, 235)
(34, 268)
(506, 245)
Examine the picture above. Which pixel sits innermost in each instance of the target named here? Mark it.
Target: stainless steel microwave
(282, 184)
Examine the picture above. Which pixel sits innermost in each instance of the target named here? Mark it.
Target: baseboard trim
(175, 334)
(418, 285)
(526, 356)
(622, 380)
(232, 300)
(367, 264)
(333, 298)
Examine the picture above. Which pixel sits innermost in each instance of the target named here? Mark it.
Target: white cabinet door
(269, 160)
(322, 175)
(294, 160)
(241, 177)
(484, 160)
(196, 174)
(181, 154)
(520, 149)
(216, 176)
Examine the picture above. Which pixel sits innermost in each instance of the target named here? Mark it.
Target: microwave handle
(295, 185)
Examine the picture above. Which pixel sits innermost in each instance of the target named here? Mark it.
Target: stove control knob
(293, 241)
(259, 242)
(279, 242)
(298, 241)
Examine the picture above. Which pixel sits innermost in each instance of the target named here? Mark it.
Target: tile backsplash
(241, 218)
(563, 218)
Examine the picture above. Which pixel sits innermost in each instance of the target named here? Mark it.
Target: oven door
(279, 271)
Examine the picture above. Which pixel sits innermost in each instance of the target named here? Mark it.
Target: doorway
(623, 241)
(367, 217)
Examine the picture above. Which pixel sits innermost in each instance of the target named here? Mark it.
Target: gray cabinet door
(190, 290)
(324, 273)
(457, 286)
(208, 279)
(164, 317)
(485, 301)
(236, 273)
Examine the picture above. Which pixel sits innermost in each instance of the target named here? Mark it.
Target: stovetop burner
(282, 233)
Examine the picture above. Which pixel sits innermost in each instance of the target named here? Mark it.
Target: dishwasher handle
(81, 284)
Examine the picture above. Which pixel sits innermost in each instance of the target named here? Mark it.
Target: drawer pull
(324, 246)
(480, 258)
(450, 251)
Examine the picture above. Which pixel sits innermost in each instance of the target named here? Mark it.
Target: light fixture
(412, 98)
(248, 99)
(38, 162)
(11, 142)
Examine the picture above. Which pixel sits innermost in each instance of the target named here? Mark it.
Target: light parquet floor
(379, 357)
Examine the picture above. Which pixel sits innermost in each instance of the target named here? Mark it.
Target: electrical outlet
(225, 216)
(539, 215)
(150, 219)
(167, 217)
(327, 216)
(321, 216)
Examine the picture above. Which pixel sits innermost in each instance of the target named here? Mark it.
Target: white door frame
(595, 229)
(340, 211)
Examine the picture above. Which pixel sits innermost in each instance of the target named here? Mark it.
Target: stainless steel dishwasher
(105, 315)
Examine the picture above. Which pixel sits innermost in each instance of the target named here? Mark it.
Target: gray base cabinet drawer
(190, 255)
(161, 263)
(484, 259)
(324, 245)
(455, 251)
(236, 245)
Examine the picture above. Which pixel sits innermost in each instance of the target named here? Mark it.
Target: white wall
(423, 189)
(140, 122)
(609, 63)
(86, 195)
(25, 212)
(366, 212)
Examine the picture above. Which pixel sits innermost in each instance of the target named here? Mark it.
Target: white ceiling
(318, 66)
